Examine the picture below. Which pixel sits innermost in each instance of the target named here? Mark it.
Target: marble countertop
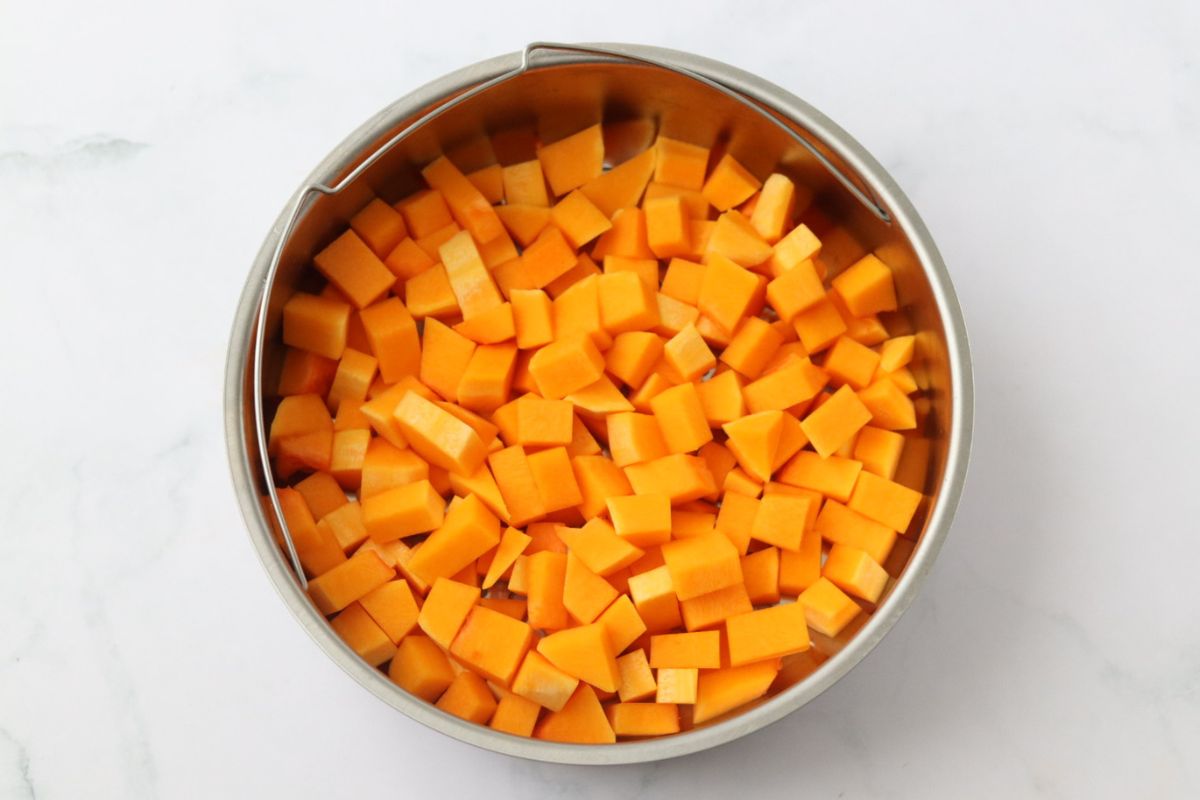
(1052, 149)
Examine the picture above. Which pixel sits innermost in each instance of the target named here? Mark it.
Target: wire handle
(527, 56)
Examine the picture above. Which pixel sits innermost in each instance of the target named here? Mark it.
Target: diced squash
(421, 668)
(701, 564)
(393, 608)
(681, 418)
(879, 450)
(468, 205)
(403, 511)
(668, 231)
(579, 219)
(581, 721)
(524, 184)
(341, 585)
(350, 265)
(767, 633)
(677, 685)
(833, 476)
(866, 287)
(445, 609)
(827, 609)
(492, 643)
(722, 690)
(644, 719)
(316, 324)
(729, 184)
(543, 683)
(565, 366)
(842, 525)
(469, 530)
(622, 623)
(888, 406)
(585, 594)
(679, 163)
(637, 681)
(468, 697)
(515, 715)
(363, 635)
(585, 653)
(760, 570)
(438, 436)
(573, 161)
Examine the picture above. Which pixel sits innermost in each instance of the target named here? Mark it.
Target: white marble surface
(1053, 150)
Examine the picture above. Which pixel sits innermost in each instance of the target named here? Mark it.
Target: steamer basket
(551, 90)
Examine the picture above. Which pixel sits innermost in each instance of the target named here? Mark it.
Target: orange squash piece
(599, 479)
(403, 511)
(385, 467)
(641, 520)
(827, 609)
(468, 697)
(722, 690)
(468, 205)
(551, 471)
(350, 265)
(438, 436)
(492, 643)
(795, 290)
(380, 226)
(888, 406)
(487, 381)
(884, 501)
(316, 324)
(445, 609)
(541, 682)
(585, 653)
(753, 345)
(626, 237)
(853, 571)
(728, 293)
(359, 631)
(701, 564)
(700, 649)
(819, 325)
(634, 438)
(341, 585)
(678, 163)
(599, 547)
(838, 419)
(393, 608)
(469, 530)
(470, 280)
(729, 184)
(753, 439)
(525, 184)
(429, 294)
(668, 231)
(681, 418)
(444, 358)
(833, 476)
(654, 598)
(579, 219)
(637, 681)
(581, 721)
(644, 719)
(842, 525)
(515, 715)
(622, 623)
(776, 204)
(760, 570)
(879, 450)
(849, 362)
(733, 237)
(585, 594)
(866, 287)
(547, 576)
(627, 303)
(421, 668)
(780, 520)
(767, 633)
(533, 318)
(622, 186)
(317, 549)
(573, 161)
(677, 685)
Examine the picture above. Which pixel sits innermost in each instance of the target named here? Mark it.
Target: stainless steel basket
(552, 90)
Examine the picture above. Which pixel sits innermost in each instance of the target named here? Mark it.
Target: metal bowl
(554, 90)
